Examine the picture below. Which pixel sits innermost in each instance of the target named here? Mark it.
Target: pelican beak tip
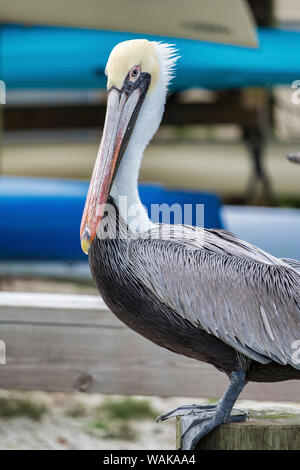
(85, 243)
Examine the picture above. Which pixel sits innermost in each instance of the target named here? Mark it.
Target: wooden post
(268, 430)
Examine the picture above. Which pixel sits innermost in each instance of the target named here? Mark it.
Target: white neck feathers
(126, 181)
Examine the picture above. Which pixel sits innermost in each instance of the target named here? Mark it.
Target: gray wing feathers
(293, 263)
(223, 285)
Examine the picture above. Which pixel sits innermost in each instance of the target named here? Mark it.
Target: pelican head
(138, 73)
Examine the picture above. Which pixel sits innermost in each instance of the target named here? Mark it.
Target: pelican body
(201, 293)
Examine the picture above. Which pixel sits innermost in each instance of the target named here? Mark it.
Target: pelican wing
(293, 263)
(233, 290)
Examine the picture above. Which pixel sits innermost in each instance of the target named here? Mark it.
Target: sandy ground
(57, 430)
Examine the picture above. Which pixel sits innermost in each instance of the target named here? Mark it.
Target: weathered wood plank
(267, 431)
(58, 342)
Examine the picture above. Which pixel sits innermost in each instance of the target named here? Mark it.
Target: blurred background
(232, 115)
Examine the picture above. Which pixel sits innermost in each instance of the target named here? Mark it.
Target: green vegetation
(126, 409)
(212, 400)
(113, 417)
(114, 429)
(77, 411)
(18, 407)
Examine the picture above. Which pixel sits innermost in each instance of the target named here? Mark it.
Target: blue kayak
(45, 57)
(40, 217)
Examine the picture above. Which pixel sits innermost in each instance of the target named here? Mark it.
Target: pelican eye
(134, 73)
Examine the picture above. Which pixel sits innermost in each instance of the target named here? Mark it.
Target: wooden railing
(73, 342)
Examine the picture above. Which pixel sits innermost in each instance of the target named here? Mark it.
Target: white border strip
(51, 301)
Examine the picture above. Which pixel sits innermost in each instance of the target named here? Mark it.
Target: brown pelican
(201, 293)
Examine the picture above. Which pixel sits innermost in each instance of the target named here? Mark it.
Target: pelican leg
(202, 423)
(199, 420)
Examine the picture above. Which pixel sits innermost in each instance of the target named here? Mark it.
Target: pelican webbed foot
(185, 410)
(199, 420)
(200, 423)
